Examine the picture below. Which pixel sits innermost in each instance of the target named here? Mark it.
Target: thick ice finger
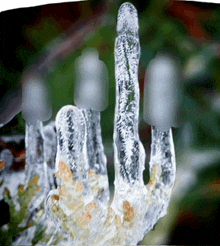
(71, 145)
(126, 138)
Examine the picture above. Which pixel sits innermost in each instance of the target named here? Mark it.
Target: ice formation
(50, 150)
(36, 167)
(77, 211)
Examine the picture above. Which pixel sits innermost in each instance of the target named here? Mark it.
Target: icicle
(71, 148)
(91, 95)
(36, 107)
(36, 167)
(95, 149)
(162, 177)
(82, 192)
(126, 139)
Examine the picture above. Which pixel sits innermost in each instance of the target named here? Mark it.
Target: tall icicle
(127, 147)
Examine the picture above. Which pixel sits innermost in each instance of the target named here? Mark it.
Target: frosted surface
(95, 150)
(71, 132)
(126, 140)
(149, 203)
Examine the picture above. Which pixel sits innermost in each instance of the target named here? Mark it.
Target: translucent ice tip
(127, 19)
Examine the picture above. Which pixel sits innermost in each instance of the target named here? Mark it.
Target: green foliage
(15, 225)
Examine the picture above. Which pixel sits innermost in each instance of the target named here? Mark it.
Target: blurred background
(48, 39)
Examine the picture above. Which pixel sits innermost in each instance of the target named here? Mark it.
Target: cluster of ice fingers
(68, 163)
(82, 194)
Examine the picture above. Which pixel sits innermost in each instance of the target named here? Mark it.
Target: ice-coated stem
(95, 151)
(162, 176)
(50, 149)
(36, 167)
(162, 152)
(126, 138)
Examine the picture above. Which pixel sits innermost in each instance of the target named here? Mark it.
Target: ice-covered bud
(91, 81)
(161, 92)
(36, 104)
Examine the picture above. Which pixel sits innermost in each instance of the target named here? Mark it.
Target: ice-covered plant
(78, 212)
